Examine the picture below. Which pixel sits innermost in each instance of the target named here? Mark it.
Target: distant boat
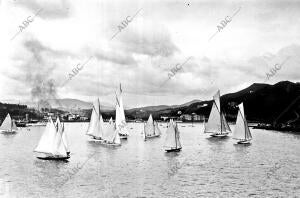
(51, 144)
(8, 126)
(20, 123)
(241, 131)
(121, 124)
(111, 135)
(172, 142)
(37, 124)
(217, 124)
(151, 129)
(96, 125)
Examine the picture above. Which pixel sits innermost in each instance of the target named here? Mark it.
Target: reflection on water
(205, 167)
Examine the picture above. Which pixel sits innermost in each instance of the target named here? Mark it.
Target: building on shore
(193, 117)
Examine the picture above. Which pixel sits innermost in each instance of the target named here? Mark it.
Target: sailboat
(51, 144)
(61, 127)
(121, 124)
(8, 126)
(241, 131)
(151, 129)
(111, 135)
(217, 124)
(96, 125)
(172, 142)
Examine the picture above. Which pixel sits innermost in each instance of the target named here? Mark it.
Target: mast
(175, 134)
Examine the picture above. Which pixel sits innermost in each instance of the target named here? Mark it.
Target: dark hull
(54, 158)
(244, 142)
(123, 137)
(8, 132)
(174, 150)
(219, 135)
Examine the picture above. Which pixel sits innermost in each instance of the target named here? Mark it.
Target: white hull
(151, 136)
(104, 142)
(36, 124)
(220, 134)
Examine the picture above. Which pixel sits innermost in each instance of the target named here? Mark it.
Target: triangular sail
(14, 126)
(216, 122)
(225, 124)
(157, 130)
(96, 123)
(121, 124)
(216, 98)
(59, 147)
(149, 127)
(46, 142)
(7, 123)
(178, 144)
(241, 131)
(213, 124)
(122, 130)
(111, 134)
(171, 138)
(61, 128)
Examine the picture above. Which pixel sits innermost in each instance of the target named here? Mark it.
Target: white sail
(8, 124)
(149, 127)
(59, 147)
(216, 122)
(110, 134)
(61, 128)
(14, 126)
(177, 135)
(96, 123)
(117, 139)
(248, 135)
(213, 124)
(46, 142)
(157, 130)
(216, 98)
(121, 122)
(171, 137)
(241, 131)
(225, 124)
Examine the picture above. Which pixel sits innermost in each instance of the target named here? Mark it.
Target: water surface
(206, 167)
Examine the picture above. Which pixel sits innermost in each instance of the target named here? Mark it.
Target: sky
(168, 52)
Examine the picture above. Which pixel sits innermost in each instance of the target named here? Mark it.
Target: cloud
(53, 9)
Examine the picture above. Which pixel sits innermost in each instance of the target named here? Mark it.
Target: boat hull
(104, 142)
(55, 158)
(220, 135)
(152, 136)
(8, 132)
(173, 150)
(244, 142)
(123, 137)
